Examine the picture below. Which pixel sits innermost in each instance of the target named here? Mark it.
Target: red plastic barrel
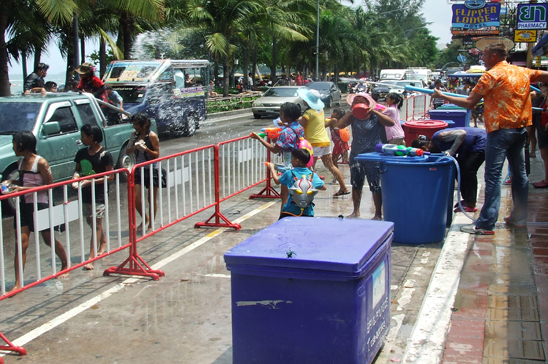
(414, 128)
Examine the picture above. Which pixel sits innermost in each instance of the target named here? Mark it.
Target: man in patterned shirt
(505, 90)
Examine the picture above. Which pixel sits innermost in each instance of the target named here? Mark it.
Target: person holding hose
(467, 145)
(505, 89)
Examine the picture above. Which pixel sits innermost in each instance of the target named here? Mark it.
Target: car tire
(125, 161)
(8, 205)
(190, 124)
(256, 116)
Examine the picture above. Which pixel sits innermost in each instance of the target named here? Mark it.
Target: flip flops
(472, 229)
(341, 193)
(541, 184)
(466, 209)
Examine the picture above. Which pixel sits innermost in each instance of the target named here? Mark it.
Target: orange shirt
(505, 89)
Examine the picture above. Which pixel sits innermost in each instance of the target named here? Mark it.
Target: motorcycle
(360, 87)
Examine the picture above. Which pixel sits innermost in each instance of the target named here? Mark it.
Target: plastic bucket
(417, 198)
(415, 128)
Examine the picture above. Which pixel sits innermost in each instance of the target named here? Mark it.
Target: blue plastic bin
(417, 195)
(328, 303)
(461, 117)
(450, 124)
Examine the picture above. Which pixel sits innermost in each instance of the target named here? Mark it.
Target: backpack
(303, 191)
(344, 134)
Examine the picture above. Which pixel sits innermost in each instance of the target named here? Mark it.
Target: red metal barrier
(268, 191)
(10, 347)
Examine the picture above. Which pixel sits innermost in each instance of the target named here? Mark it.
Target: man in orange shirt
(505, 89)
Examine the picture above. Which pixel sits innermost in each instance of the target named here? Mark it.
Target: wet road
(185, 317)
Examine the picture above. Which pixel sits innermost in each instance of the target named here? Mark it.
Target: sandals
(541, 184)
(341, 193)
(466, 209)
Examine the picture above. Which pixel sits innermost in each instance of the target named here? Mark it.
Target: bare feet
(377, 218)
(354, 215)
(65, 275)
(15, 288)
(102, 248)
(88, 266)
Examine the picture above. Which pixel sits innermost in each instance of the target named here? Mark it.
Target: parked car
(329, 92)
(399, 86)
(56, 120)
(269, 104)
(381, 89)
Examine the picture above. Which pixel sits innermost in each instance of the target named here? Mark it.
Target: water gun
(399, 150)
(279, 167)
(272, 133)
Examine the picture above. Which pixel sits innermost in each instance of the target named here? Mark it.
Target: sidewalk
(500, 311)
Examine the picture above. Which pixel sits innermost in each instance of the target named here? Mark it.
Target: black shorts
(146, 172)
(27, 215)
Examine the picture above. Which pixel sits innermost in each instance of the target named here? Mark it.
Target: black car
(380, 90)
(329, 92)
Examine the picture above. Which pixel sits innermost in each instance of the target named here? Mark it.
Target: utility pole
(317, 41)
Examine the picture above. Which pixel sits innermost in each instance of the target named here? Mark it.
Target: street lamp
(317, 40)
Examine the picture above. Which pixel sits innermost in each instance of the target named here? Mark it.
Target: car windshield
(318, 86)
(407, 83)
(17, 116)
(281, 92)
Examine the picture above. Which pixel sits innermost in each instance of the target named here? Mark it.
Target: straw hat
(85, 68)
(350, 98)
(312, 98)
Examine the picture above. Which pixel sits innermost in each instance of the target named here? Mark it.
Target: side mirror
(51, 127)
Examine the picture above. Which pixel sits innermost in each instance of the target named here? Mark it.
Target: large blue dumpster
(417, 195)
(311, 290)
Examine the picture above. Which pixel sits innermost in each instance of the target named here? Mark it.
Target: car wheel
(190, 125)
(256, 116)
(8, 205)
(125, 161)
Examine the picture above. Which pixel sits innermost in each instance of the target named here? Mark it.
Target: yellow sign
(525, 36)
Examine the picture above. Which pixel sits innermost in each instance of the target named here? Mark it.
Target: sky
(436, 12)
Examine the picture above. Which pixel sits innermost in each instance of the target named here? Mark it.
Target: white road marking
(109, 292)
(427, 340)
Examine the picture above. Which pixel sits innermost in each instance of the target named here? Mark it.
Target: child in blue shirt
(299, 160)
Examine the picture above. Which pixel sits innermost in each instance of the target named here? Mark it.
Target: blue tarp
(540, 48)
(465, 74)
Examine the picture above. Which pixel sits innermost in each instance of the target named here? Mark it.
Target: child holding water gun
(288, 138)
(341, 147)
(299, 160)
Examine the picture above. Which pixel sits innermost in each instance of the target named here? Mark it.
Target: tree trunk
(24, 65)
(75, 40)
(216, 71)
(37, 54)
(254, 69)
(4, 76)
(82, 49)
(274, 61)
(102, 57)
(226, 73)
(324, 71)
(246, 66)
(128, 24)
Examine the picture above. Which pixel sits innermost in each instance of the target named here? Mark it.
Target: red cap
(419, 152)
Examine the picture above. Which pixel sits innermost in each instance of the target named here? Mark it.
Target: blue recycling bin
(461, 116)
(417, 195)
(311, 290)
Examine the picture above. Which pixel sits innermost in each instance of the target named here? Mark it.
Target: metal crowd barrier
(195, 181)
(415, 107)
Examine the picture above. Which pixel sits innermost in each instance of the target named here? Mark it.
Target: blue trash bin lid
(320, 244)
(381, 157)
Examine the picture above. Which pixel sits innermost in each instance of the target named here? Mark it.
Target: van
(172, 92)
(419, 73)
(392, 74)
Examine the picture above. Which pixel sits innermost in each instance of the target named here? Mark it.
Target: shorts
(321, 151)
(88, 210)
(542, 136)
(146, 171)
(358, 172)
(27, 215)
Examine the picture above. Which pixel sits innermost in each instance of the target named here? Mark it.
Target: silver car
(269, 104)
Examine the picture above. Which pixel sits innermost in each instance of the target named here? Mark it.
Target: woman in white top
(34, 172)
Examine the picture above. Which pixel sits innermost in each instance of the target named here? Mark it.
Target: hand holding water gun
(399, 150)
(272, 133)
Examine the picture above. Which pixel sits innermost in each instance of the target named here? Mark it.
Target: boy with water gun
(302, 183)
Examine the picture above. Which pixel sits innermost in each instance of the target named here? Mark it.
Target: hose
(448, 157)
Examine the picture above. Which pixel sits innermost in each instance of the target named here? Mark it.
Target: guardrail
(415, 107)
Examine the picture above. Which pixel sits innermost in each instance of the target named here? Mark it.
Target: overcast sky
(437, 12)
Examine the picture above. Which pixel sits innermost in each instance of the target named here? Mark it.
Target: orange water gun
(272, 133)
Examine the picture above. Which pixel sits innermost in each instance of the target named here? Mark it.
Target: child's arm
(331, 122)
(318, 183)
(321, 188)
(273, 148)
(274, 173)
